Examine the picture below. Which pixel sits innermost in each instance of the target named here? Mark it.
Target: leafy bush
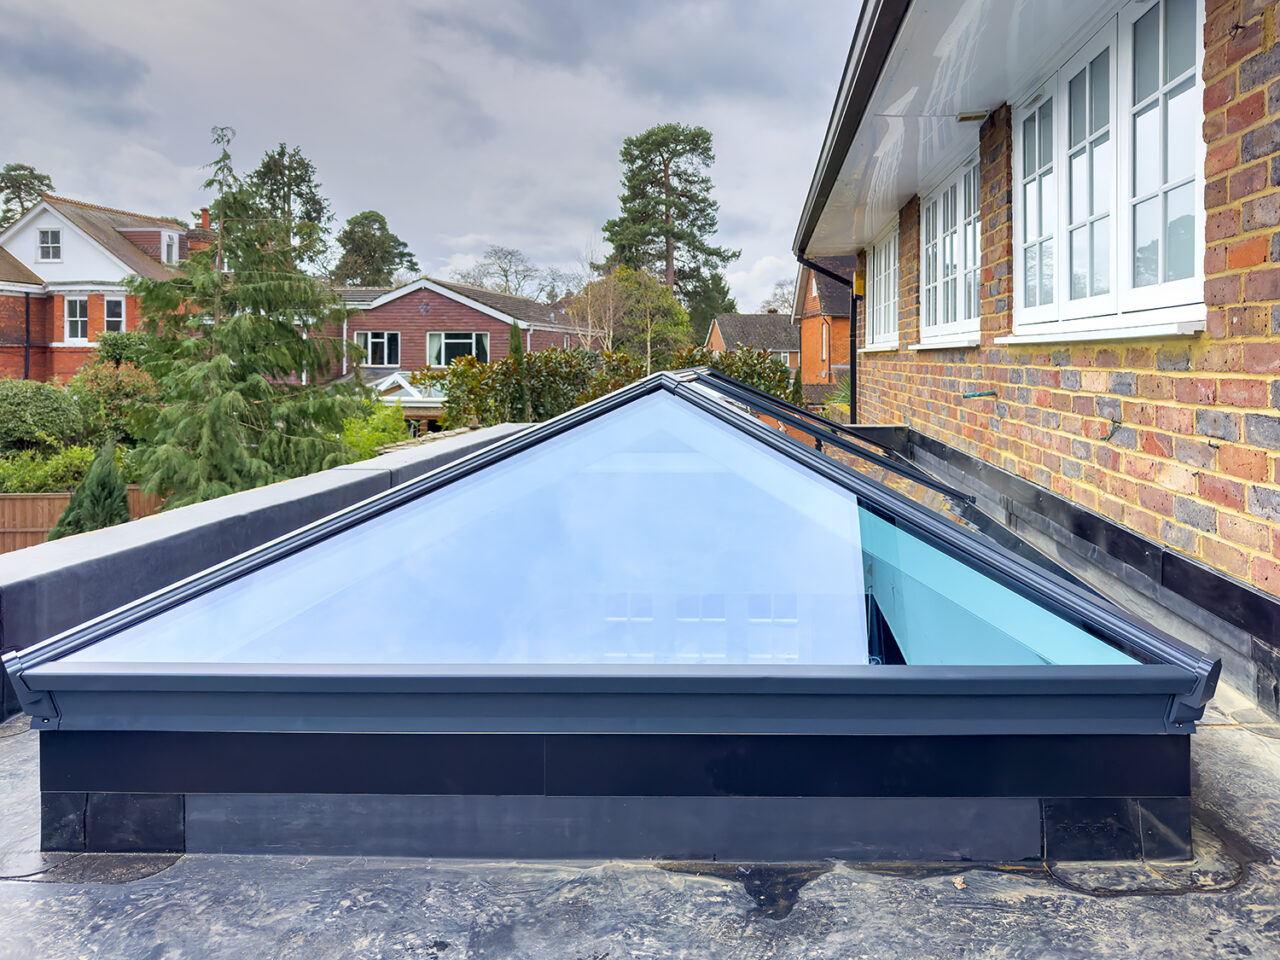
(378, 426)
(753, 366)
(31, 471)
(101, 499)
(124, 346)
(489, 393)
(36, 416)
(108, 394)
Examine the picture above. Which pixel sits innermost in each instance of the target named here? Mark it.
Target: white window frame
(68, 319)
(169, 247)
(826, 336)
(1169, 307)
(106, 309)
(475, 336)
(881, 305)
(958, 321)
(365, 341)
(44, 234)
(783, 356)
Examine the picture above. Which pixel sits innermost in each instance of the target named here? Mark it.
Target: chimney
(204, 217)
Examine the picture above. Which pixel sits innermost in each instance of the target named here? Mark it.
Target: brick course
(1176, 438)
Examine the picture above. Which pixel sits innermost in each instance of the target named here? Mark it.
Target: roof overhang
(915, 68)
(424, 284)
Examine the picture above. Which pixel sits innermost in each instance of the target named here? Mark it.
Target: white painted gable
(83, 260)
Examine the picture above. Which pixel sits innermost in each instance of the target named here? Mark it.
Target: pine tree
(22, 187)
(708, 300)
(371, 253)
(797, 390)
(101, 500)
(240, 358)
(520, 391)
(286, 184)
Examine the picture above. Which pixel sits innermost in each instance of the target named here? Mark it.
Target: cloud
(754, 283)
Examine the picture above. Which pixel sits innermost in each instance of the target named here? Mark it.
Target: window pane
(1182, 130)
(1030, 210)
(393, 349)
(435, 350)
(1046, 271)
(1146, 242)
(1080, 186)
(115, 309)
(1079, 263)
(1101, 255)
(1029, 145)
(1031, 276)
(1100, 91)
(1146, 55)
(1179, 235)
(377, 352)
(1048, 204)
(1179, 37)
(1046, 132)
(482, 347)
(1077, 105)
(1103, 168)
(1146, 154)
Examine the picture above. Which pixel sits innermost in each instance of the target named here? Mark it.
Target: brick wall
(1176, 438)
(813, 369)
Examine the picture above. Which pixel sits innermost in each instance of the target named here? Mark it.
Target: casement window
(76, 313)
(444, 348)
(381, 347)
(49, 245)
(1108, 219)
(113, 314)
(882, 290)
(170, 248)
(950, 235)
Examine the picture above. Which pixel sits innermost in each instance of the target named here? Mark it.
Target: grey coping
(54, 586)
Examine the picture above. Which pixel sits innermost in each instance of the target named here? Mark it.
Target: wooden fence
(27, 518)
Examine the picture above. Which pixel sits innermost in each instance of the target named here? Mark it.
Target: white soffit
(949, 58)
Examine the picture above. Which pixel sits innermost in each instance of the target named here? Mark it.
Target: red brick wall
(13, 334)
(1194, 460)
(813, 369)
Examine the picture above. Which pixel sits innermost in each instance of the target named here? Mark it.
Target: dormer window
(170, 248)
(50, 245)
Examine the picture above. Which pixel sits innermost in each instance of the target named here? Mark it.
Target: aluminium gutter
(1100, 698)
(877, 28)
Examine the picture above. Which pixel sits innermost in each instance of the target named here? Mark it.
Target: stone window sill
(948, 343)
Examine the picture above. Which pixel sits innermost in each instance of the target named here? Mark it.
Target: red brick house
(62, 270)
(428, 323)
(770, 331)
(1065, 218)
(821, 312)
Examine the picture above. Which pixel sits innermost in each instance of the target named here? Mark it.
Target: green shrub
(753, 366)
(37, 416)
(32, 471)
(797, 390)
(101, 499)
(379, 426)
(123, 346)
(108, 394)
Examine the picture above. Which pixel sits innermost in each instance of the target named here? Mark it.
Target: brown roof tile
(13, 270)
(769, 331)
(104, 224)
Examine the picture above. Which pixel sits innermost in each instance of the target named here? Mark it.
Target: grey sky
(465, 123)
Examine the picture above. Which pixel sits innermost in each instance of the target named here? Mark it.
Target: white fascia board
(86, 286)
(47, 207)
(7, 286)
(425, 284)
(706, 343)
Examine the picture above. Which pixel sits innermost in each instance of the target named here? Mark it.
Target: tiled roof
(522, 308)
(832, 295)
(13, 270)
(817, 392)
(769, 331)
(355, 296)
(104, 224)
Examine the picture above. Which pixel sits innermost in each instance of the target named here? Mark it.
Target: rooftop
(145, 905)
(769, 331)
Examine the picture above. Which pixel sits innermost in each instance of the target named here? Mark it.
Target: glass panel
(1046, 132)
(377, 351)
(1146, 150)
(1103, 168)
(115, 309)
(1031, 275)
(393, 349)
(586, 592)
(1179, 37)
(482, 347)
(1079, 181)
(1048, 204)
(1079, 263)
(1028, 145)
(1146, 55)
(1182, 130)
(1030, 210)
(435, 350)
(1101, 255)
(1046, 271)
(1146, 242)
(1100, 91)
(1179, 234)
(1077, 105)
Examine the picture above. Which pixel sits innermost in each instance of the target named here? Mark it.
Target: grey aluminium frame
(1164, 693)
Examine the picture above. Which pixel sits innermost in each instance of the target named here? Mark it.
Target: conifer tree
(520, 391)
(101, 500)
(240, 357)
(797, 390)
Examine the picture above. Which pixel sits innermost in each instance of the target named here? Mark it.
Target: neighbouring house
(63, 266)
(821, 313)
(770, 331)
(1065, 221)
(428, 324)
